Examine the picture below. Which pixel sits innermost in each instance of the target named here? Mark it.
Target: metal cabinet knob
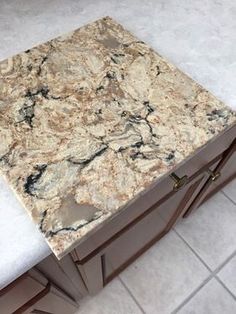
(213, 175)
(178, 182)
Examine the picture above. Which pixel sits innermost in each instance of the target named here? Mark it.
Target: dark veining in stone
(52, 233)
(41, 64)
(33, 178)
(91, 158)
(170, 157)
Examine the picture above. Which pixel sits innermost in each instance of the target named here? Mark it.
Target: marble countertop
(91, 119)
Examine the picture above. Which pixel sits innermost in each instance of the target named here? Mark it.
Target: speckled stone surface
(91, 119)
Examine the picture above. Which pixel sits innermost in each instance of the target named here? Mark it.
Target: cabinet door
(149, 229)
(219, 174)
(106, 262)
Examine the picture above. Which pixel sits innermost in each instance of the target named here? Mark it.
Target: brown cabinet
(147, 230)
(121, 240)
(34, 293)
(18, 293)
(51, 301)
(135, 238)
(219, 174)
(118, 242)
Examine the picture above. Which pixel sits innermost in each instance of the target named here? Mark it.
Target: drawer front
(33, 293)
(147, 231)
(52, 303)
(19, 294)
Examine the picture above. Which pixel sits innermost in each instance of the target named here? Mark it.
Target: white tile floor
(191, 270)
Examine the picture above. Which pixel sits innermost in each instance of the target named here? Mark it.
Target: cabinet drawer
(24, 289)
(33, 293)
(52, 303)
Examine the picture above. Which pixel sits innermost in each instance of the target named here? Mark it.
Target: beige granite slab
(91, 119)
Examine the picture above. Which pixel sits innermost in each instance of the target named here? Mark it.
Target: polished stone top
(91, 119)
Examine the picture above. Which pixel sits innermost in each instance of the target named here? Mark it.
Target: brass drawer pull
(179, 182)
(213, 175)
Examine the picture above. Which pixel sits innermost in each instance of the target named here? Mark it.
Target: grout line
(186, 300)
(131, 295)
(225, 287)
(218, 268)
(213, 274)
(224, 263)
(204, 283)
(229, 198)
(192, 250)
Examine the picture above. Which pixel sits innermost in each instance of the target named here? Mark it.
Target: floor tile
(230, 190)
(113, 299)
(165, 275)
(210, 231)
(228, 275)
(211, 299)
